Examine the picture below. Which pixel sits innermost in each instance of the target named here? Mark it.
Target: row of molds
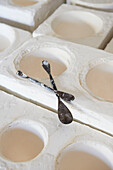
(33, 138)
(104, 5)
(78, 25)
(11, 38)
(109, 47)
(83, 71)
(27, 14)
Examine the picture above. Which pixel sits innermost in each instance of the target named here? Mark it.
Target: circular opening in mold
(24, 2)
(98, 1)
(22, 142)
(82, 158)
(81, 161)
(100, 81)
(31, 64)
(74, 25)
(7, 37)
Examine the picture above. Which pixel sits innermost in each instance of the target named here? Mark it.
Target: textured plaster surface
(56, 136)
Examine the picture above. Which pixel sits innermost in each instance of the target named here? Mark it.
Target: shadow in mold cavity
(73, 25)
(19, 144)
(81, 161)
(7, 37)
(99, 80)
(31, 64)
(4, 43)
(83, 157)
(24, 2)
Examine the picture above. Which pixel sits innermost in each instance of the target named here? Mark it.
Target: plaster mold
(104, 5)
(78, 25)
(34, 12)
(109, 47)
(17, 114)
(11, 38)
(87, 107)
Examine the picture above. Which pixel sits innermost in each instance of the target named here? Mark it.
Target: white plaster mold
(86, 108)
(109, 47)
(11, 38)
(58, 138)
(79, 25)
(104, 5)
(27, 14)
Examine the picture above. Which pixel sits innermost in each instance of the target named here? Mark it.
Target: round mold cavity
(22, 141)
(99, 81)
(99, 1)
(82, 157)
(24, 2)
(7, 37)
(31, 63)
(74, 25)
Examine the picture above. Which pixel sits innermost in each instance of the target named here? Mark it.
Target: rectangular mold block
(101, 22)
(103, 5)
(109, 47)
(27, 17)
(79, 60)
(15, 112)
(15, 36)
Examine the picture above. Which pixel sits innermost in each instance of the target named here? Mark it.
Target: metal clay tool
(64, 113)
(63, 95)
